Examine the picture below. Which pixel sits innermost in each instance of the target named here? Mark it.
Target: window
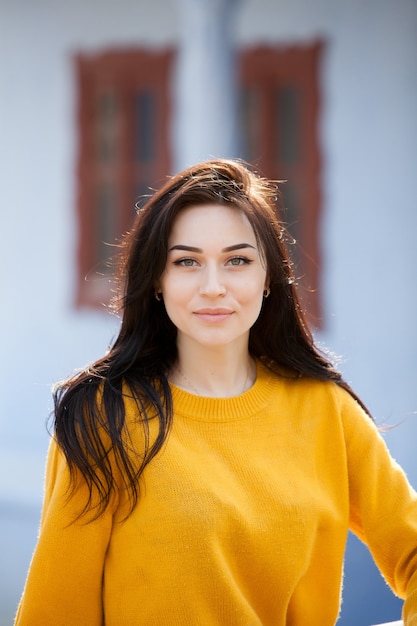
(279, 106)
(124, 150)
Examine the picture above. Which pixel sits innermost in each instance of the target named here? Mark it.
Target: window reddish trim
(112, 171)
(263, 71)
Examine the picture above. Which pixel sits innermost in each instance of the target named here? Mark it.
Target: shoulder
(297, 385)
(319, 399)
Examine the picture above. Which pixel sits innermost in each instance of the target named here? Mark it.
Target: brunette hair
(89, 416)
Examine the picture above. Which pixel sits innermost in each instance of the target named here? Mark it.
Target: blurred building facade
(102, 99)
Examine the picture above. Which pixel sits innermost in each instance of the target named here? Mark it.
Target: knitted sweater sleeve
(64, 582)
(383, 505)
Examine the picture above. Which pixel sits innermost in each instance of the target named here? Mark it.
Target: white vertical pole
(204, 88)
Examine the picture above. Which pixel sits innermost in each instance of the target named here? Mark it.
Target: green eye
(237, 261)
(185, 262)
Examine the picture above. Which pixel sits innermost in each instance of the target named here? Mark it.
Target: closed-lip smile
(215, 314)
(214, 311)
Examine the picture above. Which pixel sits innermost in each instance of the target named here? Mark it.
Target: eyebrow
(237, 246)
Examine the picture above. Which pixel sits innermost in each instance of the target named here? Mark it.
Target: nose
(212, 284)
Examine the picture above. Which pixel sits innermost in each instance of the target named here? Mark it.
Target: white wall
(372, 213)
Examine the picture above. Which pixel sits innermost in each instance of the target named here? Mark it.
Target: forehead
(212, 222)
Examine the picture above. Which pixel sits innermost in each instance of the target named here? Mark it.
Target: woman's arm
(64, 582)
(383, 506)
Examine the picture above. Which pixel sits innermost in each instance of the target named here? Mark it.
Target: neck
(217, 374)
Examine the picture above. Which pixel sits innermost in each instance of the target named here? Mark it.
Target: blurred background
(100, 100)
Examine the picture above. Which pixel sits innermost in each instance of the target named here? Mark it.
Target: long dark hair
(89, 416)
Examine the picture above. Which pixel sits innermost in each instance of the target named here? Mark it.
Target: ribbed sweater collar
(246, 405)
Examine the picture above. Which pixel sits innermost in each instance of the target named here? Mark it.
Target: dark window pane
(107, 126)
(106, 225)
(292, 220)
(142, 193)
(288, 121)
(249, 123)
(145, 139)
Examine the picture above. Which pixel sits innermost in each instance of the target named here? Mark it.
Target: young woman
(207, 469)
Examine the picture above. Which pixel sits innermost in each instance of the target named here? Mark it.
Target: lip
(214, 311)
(213, 314)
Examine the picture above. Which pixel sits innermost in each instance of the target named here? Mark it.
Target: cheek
(174, 310)
(253, 287)
(176, 298)
(251, 300)
(170, 285)
(176, 290)
(252, 295)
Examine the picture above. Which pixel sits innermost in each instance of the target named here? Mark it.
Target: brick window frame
(279, 113)
(120, 155)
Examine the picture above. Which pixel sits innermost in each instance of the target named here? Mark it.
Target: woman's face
(214, 277)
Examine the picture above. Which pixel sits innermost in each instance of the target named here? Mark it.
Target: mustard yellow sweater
(242, 520)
